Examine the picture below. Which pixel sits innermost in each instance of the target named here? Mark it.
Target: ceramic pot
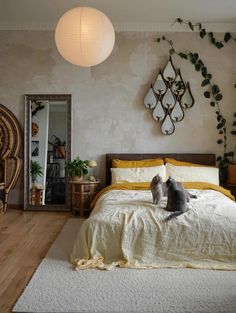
(76, 178)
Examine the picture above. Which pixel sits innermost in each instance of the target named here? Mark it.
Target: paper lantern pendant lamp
(84, 36)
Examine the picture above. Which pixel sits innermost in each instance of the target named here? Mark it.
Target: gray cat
(159, 189)
(177, 199)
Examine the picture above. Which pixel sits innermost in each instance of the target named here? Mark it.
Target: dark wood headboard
(198, 158)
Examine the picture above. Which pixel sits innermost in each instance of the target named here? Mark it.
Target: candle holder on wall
(168, 97)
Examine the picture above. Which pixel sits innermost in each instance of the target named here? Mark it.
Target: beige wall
(108, 110)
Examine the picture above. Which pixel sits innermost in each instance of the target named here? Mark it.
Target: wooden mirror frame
(45, 97)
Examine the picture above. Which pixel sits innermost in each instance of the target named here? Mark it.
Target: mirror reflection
(47, 145)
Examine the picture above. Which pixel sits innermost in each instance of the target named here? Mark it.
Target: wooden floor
(25, 238)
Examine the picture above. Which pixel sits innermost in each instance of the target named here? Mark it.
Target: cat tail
(173, 215)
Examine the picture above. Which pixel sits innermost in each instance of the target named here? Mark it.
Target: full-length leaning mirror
(47, 148)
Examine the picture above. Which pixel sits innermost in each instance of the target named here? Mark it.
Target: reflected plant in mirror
(58, 146)
(47, 148)
(36, 171)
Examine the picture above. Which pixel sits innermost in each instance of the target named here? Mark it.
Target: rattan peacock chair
(10, 146)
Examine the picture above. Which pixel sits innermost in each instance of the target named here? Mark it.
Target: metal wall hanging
(168, 97)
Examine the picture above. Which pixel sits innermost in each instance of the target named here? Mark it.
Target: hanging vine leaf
(198, 67)
(203, 33)
(179, 20)
(183, 55)
(207, 94)
(205, 82)
(213, 40)
(215, 89)
(227, 37)
(212, 103)
(190, 26)
(219, 45)
(211, 35)
(219, 117)
(204, 71)
(219, 141)
(219, 97)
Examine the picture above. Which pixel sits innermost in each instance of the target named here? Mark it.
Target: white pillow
(137, 174)
(202, 174)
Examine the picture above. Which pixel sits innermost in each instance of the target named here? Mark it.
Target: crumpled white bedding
(125, 229)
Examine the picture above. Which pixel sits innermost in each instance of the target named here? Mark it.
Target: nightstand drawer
(87, 187)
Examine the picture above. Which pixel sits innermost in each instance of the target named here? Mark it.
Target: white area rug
(56, 287)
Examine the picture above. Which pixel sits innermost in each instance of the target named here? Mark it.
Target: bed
(125, 229)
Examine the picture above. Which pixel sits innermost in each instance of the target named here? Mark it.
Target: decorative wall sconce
(168, 97)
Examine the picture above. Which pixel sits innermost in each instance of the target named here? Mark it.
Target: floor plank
(25, 238)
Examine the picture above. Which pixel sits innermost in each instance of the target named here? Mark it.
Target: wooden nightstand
(82, 194)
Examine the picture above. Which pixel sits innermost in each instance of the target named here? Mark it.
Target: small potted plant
(77, 168)
(58, 146)
(36, 170)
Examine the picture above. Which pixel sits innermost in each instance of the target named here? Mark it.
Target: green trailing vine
(233, 132)
(203, 33)
(213, 92)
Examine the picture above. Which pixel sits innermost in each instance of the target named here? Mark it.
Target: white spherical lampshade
(84, 36)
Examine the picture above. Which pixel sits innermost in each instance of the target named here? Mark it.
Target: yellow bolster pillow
(116, 163)
(180, 163)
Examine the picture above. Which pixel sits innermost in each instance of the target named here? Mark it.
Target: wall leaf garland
(168, 97)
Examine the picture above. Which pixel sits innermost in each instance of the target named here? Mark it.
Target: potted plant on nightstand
(77, 168)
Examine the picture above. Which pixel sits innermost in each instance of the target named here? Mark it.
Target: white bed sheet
(126, 229)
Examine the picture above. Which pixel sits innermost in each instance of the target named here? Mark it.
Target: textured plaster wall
(108, 111)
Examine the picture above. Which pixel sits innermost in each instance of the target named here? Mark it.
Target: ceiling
(149, 15)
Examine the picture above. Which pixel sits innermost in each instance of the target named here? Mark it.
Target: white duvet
(126, 229)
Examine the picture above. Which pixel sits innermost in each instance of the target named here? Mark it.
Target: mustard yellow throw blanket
(125, 229)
